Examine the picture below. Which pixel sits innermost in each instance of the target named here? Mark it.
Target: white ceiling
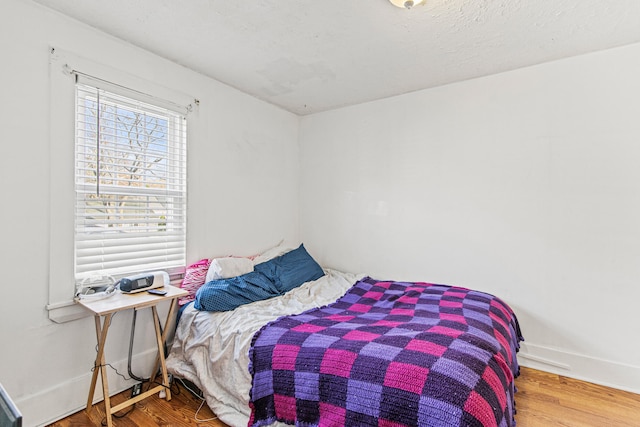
(314, 55)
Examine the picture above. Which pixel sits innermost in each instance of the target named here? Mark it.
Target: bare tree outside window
(130, 178)
(132, 150)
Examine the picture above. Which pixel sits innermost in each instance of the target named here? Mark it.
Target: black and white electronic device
(143, 282)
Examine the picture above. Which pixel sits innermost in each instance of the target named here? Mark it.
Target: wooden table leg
(163, 365)
(99, 365)
(168, 323)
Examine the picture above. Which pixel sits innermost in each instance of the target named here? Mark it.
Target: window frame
(63, 68)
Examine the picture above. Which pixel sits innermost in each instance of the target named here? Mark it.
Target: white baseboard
(52, 404)
(590, 369)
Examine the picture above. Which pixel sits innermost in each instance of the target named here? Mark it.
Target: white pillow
(224, 268)
(271, 253)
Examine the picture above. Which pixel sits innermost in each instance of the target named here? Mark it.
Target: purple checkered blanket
(389, 354)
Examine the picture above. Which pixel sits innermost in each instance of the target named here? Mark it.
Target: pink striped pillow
(194, 277)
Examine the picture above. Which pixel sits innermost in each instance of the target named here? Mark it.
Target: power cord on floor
(195, 417)
(197, 395)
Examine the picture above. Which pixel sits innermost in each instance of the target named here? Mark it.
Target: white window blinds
(130, 184)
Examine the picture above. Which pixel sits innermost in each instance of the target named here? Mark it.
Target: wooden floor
(551, 400)
(542, 400)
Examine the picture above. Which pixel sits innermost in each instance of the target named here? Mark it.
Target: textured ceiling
(314, 55)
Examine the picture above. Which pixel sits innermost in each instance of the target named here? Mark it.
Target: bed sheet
(211, 349)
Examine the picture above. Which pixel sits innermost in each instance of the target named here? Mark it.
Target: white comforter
(211, 349)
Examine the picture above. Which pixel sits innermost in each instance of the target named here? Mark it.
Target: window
(130, 184)
(117, 174)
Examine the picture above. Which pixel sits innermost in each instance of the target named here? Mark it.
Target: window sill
(66, 311)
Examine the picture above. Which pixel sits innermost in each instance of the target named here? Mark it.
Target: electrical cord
(114, 369)
(108, 364)
(195, 417)
(197, 395)
(131, 340)
(133, 328)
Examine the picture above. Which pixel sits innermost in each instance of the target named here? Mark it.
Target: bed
(344, 349)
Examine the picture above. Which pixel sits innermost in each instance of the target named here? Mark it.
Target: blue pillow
(227, 294)
(291, 270)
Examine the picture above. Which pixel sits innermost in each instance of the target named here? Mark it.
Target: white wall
(524, 184)
(243, 198)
